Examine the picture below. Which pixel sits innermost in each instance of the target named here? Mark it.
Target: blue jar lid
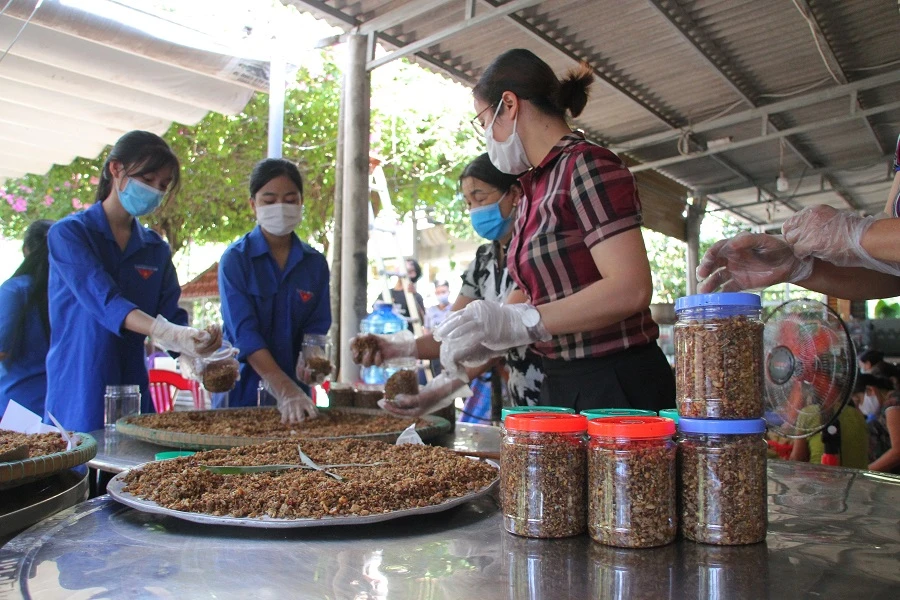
(723, 299)
(722, 426)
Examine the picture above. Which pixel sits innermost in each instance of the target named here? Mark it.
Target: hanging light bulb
(781, 184)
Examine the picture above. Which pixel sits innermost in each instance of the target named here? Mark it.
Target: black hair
(37, 265)
(268, 169)
(416, 267)
(484, 170)
(441, 282)
(872, 357)
(521, 72)
(864, 380)
(140, 152)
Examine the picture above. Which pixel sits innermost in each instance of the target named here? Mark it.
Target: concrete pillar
(337, 237)
(695, 214)
(355, 194)
(276, 105)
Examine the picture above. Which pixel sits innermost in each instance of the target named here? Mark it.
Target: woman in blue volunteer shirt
(25, 325)
(274, 290)
(112, 283)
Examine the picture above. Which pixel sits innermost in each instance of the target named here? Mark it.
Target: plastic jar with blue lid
(719, 356)
(722, 464)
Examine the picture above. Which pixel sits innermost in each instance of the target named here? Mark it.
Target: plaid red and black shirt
(580, 195)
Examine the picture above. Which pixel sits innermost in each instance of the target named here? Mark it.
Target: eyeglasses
(476, 124)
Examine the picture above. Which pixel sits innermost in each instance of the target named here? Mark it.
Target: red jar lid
(631, 427)
(546, 422)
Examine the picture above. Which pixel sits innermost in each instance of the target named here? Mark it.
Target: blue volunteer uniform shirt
(23, 376)
(93, 286)
(265, 307)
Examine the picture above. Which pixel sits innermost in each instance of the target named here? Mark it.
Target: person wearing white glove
(576, 253)
(750, 261)
(112, 283)
(492, 198)
(439, 393)
(274, 291)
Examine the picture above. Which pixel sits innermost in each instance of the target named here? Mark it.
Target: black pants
(639, 377)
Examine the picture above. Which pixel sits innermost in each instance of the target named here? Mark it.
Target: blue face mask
(140, 199)
(488, 221)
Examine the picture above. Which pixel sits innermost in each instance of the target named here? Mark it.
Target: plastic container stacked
(721, 443)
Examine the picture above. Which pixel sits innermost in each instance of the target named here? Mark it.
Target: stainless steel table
(833, 533)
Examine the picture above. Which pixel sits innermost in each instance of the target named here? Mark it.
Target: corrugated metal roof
(671, 64)
(74, 81)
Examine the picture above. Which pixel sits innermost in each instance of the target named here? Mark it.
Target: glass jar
(602, 413)
(719, 356)
(670, 413)
(120, 401)
(631, 481)
(542, 478)
(313, 361)
(219, 371)
(723, 480)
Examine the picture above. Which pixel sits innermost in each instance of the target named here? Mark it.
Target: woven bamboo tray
(18, 472)
(131, 427)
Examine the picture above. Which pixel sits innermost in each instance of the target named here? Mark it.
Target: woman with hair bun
(577, 253)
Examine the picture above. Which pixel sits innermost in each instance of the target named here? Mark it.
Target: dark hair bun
(574, 88)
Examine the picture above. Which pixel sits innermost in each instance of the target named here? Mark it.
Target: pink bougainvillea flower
(20, 205)
(76, 204)
(94, 180)
(48, 200)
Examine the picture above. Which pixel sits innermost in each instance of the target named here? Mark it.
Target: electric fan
(810, 367)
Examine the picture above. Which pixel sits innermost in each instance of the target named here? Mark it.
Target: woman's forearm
(264, 364)
(427, 347)
(851, 283)
(882, 240)
(599, 305)
(887, 461)
(139, 322)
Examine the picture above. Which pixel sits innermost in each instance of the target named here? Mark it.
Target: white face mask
(869, 405)
(279, 219)
(509, 157)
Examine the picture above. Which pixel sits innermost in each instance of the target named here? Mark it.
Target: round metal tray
(130, 426)
(117, 484)
(18, 472)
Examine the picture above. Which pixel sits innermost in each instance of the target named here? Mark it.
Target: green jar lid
(601, 413)
(529, 409)
(670, 413)
(172, 454)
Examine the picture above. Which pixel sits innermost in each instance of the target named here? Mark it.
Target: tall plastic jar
(631, 481)
(723, 480)
(381, 320)
(543, 475)
(719, 356)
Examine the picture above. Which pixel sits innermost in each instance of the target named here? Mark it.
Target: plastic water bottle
(382, 320)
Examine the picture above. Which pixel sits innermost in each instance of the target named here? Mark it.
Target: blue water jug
(381, 320)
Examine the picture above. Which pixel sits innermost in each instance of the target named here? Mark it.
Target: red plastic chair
(164, 386)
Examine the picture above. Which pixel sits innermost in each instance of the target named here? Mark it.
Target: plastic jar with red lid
(631, 481)
(543, 474)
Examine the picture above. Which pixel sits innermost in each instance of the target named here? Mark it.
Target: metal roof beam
(399, 15)
(830, 57)
(835, 188)
(764, 111)
(712, 55)
(656, 164)
(437, 37)
(859, 164)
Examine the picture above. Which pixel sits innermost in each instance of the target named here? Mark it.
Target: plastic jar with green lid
(670, 413)
(602, 413)
(543, 474)
(515, 410)
(723, 480)
(719, 356)
(631, 481)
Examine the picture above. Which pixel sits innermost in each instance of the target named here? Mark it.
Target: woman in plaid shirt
(577, 253)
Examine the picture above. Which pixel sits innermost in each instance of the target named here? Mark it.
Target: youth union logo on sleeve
(146, 271)
(304, 295)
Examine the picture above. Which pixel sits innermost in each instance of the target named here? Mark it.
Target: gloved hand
(484, 330)
(835, 236)
(750, 261)
(374, 349)
(186, 340)
(293, 403)
(439, 393)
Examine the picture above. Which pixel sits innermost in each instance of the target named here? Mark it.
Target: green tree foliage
(422, 154)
